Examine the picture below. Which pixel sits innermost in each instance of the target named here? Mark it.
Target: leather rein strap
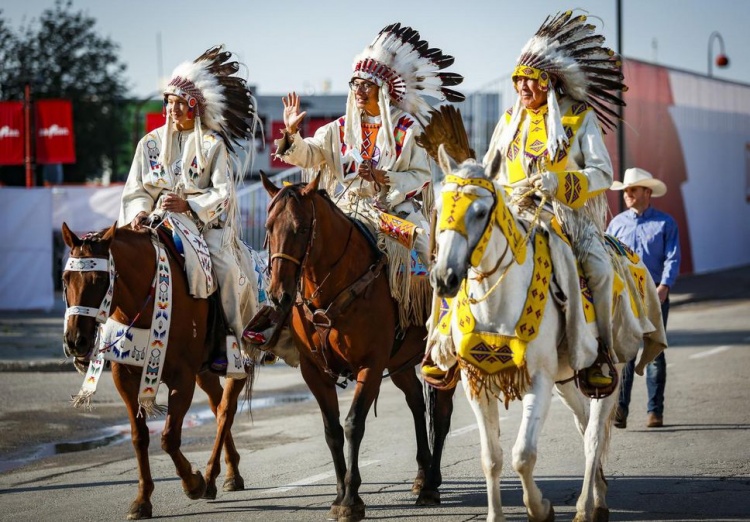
(322, 319)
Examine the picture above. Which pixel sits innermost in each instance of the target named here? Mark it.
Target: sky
(308, 46)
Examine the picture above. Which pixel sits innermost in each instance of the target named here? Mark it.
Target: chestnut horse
(329, 274)
(188, 353)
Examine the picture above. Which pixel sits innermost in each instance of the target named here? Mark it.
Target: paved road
(695, 468)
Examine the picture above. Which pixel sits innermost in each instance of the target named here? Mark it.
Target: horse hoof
(351, 513)
(333, 513)
(601, 514)
(139, 511)
(550, 515)
(235, 483)
(416, 488)
(210, 493)
(199, 490)
(428, 498)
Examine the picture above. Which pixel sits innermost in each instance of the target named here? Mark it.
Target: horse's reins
(490, 222)
(322, 319)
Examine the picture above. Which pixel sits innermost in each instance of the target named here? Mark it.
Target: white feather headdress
(406, 69)
(410, 69)
(217, 98)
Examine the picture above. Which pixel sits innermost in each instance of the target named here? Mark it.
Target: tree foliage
(61, 55)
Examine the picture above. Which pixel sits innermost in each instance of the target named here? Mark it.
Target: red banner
(54, 132)
(11, 133)
(154, 120)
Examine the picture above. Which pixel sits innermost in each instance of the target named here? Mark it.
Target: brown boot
(654, 420)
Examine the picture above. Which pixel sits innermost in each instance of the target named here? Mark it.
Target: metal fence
(253, 202)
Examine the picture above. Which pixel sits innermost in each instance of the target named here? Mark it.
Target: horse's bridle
(99, 264)
(281, 255)
(322, 318)
(300, 262)
(91, 264)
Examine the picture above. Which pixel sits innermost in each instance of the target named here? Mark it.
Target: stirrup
(592, 382)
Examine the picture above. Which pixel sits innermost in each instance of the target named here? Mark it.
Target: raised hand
(292, 116)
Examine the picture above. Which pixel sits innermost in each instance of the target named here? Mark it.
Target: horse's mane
(294, 191)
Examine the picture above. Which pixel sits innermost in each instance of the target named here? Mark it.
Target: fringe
(442, 350)
(583, 226)
(83, 400)
(506, 385)
(399, 275)
(420, 297)
(149, 408)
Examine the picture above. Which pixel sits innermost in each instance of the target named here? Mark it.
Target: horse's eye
(481, 213)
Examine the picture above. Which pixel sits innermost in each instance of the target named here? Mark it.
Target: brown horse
(189, 350)
(330, 275)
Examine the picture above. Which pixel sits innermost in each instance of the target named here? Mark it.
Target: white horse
(498, 297)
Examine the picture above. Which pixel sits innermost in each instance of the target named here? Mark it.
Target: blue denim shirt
(653, 236)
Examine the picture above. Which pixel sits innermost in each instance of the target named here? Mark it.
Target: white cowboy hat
(636, 177)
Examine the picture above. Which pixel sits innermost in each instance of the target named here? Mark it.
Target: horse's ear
(109, 235)
(447, 165)
(494, 168)
(268, 184)
(69, 237)
(312, 186)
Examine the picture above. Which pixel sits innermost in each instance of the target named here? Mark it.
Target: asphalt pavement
(32, 340)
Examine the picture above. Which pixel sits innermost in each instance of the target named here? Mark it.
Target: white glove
(546, 183)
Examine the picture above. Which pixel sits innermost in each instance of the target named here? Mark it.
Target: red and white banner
(11, 133)
(54, 132)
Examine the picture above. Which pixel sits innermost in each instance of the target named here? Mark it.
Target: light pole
(722, 60)
(29, 156)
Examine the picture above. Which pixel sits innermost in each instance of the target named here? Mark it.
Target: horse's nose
(446, 284)
(77, 347)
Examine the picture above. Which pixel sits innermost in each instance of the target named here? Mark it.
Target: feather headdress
(570, 52)
(216, 97)
(406, 69)
(566, 56)
(399, 59)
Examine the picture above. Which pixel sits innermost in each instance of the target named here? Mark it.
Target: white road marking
(465, 429)
(312, 480)
(710, 352)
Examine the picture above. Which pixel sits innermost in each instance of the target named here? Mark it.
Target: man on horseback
(184, 175)
(369, 158)
(551, 141)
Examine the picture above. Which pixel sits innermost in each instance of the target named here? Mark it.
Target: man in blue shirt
(653, 236)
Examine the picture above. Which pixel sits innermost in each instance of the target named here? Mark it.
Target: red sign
(11, 133)
(154, 120)
(54, 132)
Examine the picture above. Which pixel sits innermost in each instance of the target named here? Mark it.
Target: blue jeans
(656, 378)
